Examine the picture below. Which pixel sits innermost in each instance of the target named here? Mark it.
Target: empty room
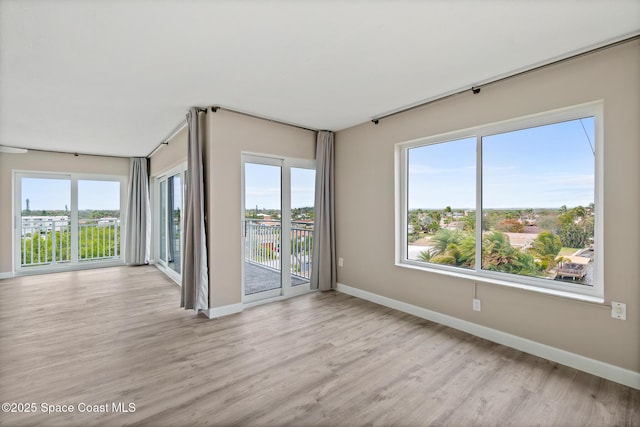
(319, 213)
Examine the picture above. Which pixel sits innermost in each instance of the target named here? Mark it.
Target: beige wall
(229, 135)
(171, 155)
(41, 161)
(365, 207)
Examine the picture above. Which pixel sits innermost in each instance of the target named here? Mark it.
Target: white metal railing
(262, 245)
(47, 240)
(301, 245)
(98, 239)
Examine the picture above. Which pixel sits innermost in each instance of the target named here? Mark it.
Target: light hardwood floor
(118, 335)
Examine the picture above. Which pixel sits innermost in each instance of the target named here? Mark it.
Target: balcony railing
(98, 239)
(262, 245)
(47, 240)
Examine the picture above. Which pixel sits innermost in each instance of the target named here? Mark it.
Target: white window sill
(492, 281)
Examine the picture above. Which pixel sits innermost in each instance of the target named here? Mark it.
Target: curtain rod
(174, 132)
(476, 88)
(74, 153)
(217, 107)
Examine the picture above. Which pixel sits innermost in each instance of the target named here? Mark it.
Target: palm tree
(497, 252)
(425, 256)
(499, 255)
(443, 239)
(546, 246)
(451, 248)
(436, 216)
(580, 211)
(467, 251)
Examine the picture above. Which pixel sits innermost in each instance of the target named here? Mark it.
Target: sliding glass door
(64, 220)
(302, 200)
(169, 233)
(98, 220)
(45, 220)
(277, 232)
(262, 236)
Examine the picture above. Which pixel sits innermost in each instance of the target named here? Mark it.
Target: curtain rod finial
(214, 109)
(475, 90)
(375, 121)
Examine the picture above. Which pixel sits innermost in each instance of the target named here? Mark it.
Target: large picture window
(512, 203)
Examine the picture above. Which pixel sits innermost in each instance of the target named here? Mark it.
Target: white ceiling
(115, 77)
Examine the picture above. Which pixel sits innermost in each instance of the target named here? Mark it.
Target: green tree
(490, 218)
(432, 227)
(574, 235)
(499, 255)
(549, 221)
(444, 238)
(451, 248)
(576, 228)
(425, 256)
(510, 226)
(579, 211)
(467, 252)
(436, 216)
(546, 247)
(469, 223)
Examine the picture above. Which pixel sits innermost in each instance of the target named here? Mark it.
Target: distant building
(522, 240)
(104, 222)
(455, 225)
(39, 224)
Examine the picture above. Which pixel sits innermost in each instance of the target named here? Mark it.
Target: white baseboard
(225, 310)
(6, 275)
(573, 360)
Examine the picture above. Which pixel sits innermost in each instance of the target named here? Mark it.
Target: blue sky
(443, 175)
(547, 166)
(55, 194)
(262, 183)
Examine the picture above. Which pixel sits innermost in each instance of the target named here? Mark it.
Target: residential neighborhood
(551, 243)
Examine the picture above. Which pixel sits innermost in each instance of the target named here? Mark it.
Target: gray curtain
(323, 267)
(195, 275)
(138, 226)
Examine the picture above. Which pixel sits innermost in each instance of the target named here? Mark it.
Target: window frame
(593, 293)
(163, 265)
(75, 263)
(286, 289)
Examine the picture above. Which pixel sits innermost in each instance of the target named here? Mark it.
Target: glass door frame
(74, 263)
(164, 177)
(285, 164)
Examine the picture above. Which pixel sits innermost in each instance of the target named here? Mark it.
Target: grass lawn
(568, 251)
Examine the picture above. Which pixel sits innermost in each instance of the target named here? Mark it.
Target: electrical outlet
(476, 305)
(618, 310)
(340, 262)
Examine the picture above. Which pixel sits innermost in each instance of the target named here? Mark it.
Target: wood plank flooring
(323, 359)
